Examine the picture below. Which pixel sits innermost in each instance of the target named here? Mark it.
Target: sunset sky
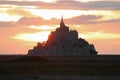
(23, 23)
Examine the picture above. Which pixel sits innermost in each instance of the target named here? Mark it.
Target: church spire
(62, 22)
(62, 18)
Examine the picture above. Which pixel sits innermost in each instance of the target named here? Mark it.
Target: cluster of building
(63, 42)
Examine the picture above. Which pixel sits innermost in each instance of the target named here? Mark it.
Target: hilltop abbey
(63, 42)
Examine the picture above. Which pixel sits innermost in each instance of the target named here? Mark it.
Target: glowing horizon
(31, 22)
(33, 37)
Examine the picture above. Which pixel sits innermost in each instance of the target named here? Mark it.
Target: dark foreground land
(60, 68)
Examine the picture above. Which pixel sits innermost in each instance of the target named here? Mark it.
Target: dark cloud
(84, 19)
(31, 21)
(8, 24)
(102, 5)
(113, 21)
(19, 11)
(88, 19)
(38, 21)
(68, 4)
(79, 20)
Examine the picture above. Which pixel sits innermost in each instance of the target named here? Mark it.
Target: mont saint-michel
(63, 42)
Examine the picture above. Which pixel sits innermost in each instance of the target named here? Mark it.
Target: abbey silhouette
(63, 42)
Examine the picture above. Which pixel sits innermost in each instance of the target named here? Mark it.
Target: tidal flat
(60, 68)
(58, 77)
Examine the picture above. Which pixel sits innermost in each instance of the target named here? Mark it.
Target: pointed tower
(63, 27)
(62, 24)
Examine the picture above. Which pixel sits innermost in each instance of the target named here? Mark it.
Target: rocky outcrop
(63, 42)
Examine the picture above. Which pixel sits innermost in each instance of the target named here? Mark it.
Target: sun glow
(44, 27)
(7, 17)
(33, 37)
(50, 13)
(99, 35)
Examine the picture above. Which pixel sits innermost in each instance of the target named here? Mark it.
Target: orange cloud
(9, 24)
(18, 11)
(100, 35)
(78, 20)
(68, 4)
